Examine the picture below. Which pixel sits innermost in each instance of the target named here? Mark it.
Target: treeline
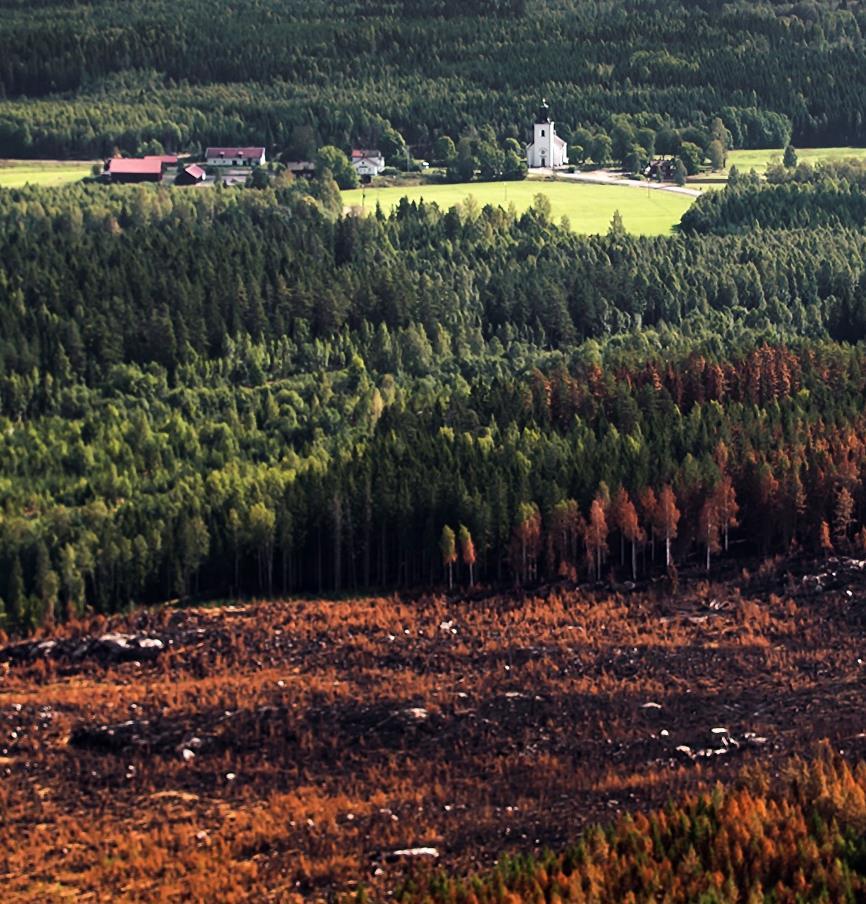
(246, 476)
(801, 198)
(241, 392)
(793, 837)
(284, 74)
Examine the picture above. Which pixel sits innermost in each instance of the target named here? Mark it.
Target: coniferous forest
(84, 79)
(243, 392)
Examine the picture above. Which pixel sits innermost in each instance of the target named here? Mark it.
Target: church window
(542, 133)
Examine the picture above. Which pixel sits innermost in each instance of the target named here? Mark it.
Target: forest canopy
(86, 79)
(234, 391)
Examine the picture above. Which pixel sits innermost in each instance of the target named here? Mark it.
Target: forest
(798, 196)
(81, 80)
(244, 392)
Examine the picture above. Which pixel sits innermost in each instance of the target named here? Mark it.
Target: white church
(547, 149)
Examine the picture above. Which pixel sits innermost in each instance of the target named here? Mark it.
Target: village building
(547, 148)
(303, 168)
(139, 169)
(367, 163)
(235, 157)
(661, 170)
(191, 175)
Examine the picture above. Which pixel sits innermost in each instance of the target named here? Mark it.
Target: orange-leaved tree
(668, 517)
(596, 534)
(448, 548)
(626, 520)
(467, 551)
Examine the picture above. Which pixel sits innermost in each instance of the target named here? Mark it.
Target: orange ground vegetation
(321, 737)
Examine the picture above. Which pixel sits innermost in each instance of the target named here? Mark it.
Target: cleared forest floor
(288, 749)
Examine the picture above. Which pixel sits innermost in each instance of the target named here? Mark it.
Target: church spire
(543, 112)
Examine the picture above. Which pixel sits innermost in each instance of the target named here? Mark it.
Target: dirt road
(605, 177)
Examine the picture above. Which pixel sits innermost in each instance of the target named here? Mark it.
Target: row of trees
(94, 276)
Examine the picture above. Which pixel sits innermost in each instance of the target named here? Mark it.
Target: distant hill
(288, 74)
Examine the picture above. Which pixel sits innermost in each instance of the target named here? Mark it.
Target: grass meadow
(589, 208)
(17, 173)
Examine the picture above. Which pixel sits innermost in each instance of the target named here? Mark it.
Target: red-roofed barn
(139, 169)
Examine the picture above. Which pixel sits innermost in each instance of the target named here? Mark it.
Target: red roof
(195, 171)
(234, 152)
(360, 154)
(146, 166)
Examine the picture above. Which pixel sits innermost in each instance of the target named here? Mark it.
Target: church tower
(547, 148)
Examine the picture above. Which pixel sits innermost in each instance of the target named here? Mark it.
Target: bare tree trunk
(338, 541)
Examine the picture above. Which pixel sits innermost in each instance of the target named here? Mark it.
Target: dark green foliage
(238, 391)
(150, 74)
(830, 195)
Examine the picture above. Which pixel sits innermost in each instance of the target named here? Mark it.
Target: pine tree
(15, 599)
(596, 534)
(725, 502)
(625, 515)
(843, 517)
(526, 541)
(708, 526)
(448, 549)
(668, 519)
(467, 552)
(824, 540)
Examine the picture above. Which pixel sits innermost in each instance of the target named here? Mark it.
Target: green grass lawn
(758, 160)
(15, 173)
(589, 208)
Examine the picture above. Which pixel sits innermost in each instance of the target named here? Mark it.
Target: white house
(367, 163)
(235, 156)
(547, 148)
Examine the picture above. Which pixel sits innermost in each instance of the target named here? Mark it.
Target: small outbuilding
(190, 175)
(249, 156)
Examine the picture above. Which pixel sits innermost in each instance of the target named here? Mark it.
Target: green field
(15, 173)
(589, 208)
(758, 160)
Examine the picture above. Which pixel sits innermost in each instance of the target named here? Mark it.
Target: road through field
(605, 177)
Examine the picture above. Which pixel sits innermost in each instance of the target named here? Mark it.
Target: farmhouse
(235, 156)
(547, 148)
(139, 169)
(367, 163)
